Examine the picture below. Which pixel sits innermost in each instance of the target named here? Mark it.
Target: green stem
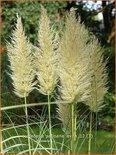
(90, 134)
(1, 146)
(73, 128)
(75, 125)
(50, 126)
(27, 125)
(95, 133)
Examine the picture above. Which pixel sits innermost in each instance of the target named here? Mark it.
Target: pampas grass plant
(73, 71)
(46, 60)
(22, 73)
(75, 61)
(99, 80)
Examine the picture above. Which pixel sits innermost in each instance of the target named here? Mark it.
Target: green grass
(104, 140)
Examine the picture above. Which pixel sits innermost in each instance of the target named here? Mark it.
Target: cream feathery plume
(73, 64)
(21, 61)
(46, 55)
(99, 80)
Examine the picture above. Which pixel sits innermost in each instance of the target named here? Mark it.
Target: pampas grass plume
(19, 54)
(46, 56)
(73, 65)
(99, 77)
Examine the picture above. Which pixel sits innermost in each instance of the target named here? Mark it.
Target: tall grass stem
(50, 125)
(1, 145)
(73, 128)
(27, 125)
(95, 132)
(90, 134)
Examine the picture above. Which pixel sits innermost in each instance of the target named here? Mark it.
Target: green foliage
(105, 140)
(30, 13)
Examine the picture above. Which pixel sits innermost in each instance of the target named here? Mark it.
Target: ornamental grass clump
(73, 72)
(21, 66)
(46, 60)
(75, 60)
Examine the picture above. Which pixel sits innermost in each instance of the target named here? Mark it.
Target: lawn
(102, 141)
